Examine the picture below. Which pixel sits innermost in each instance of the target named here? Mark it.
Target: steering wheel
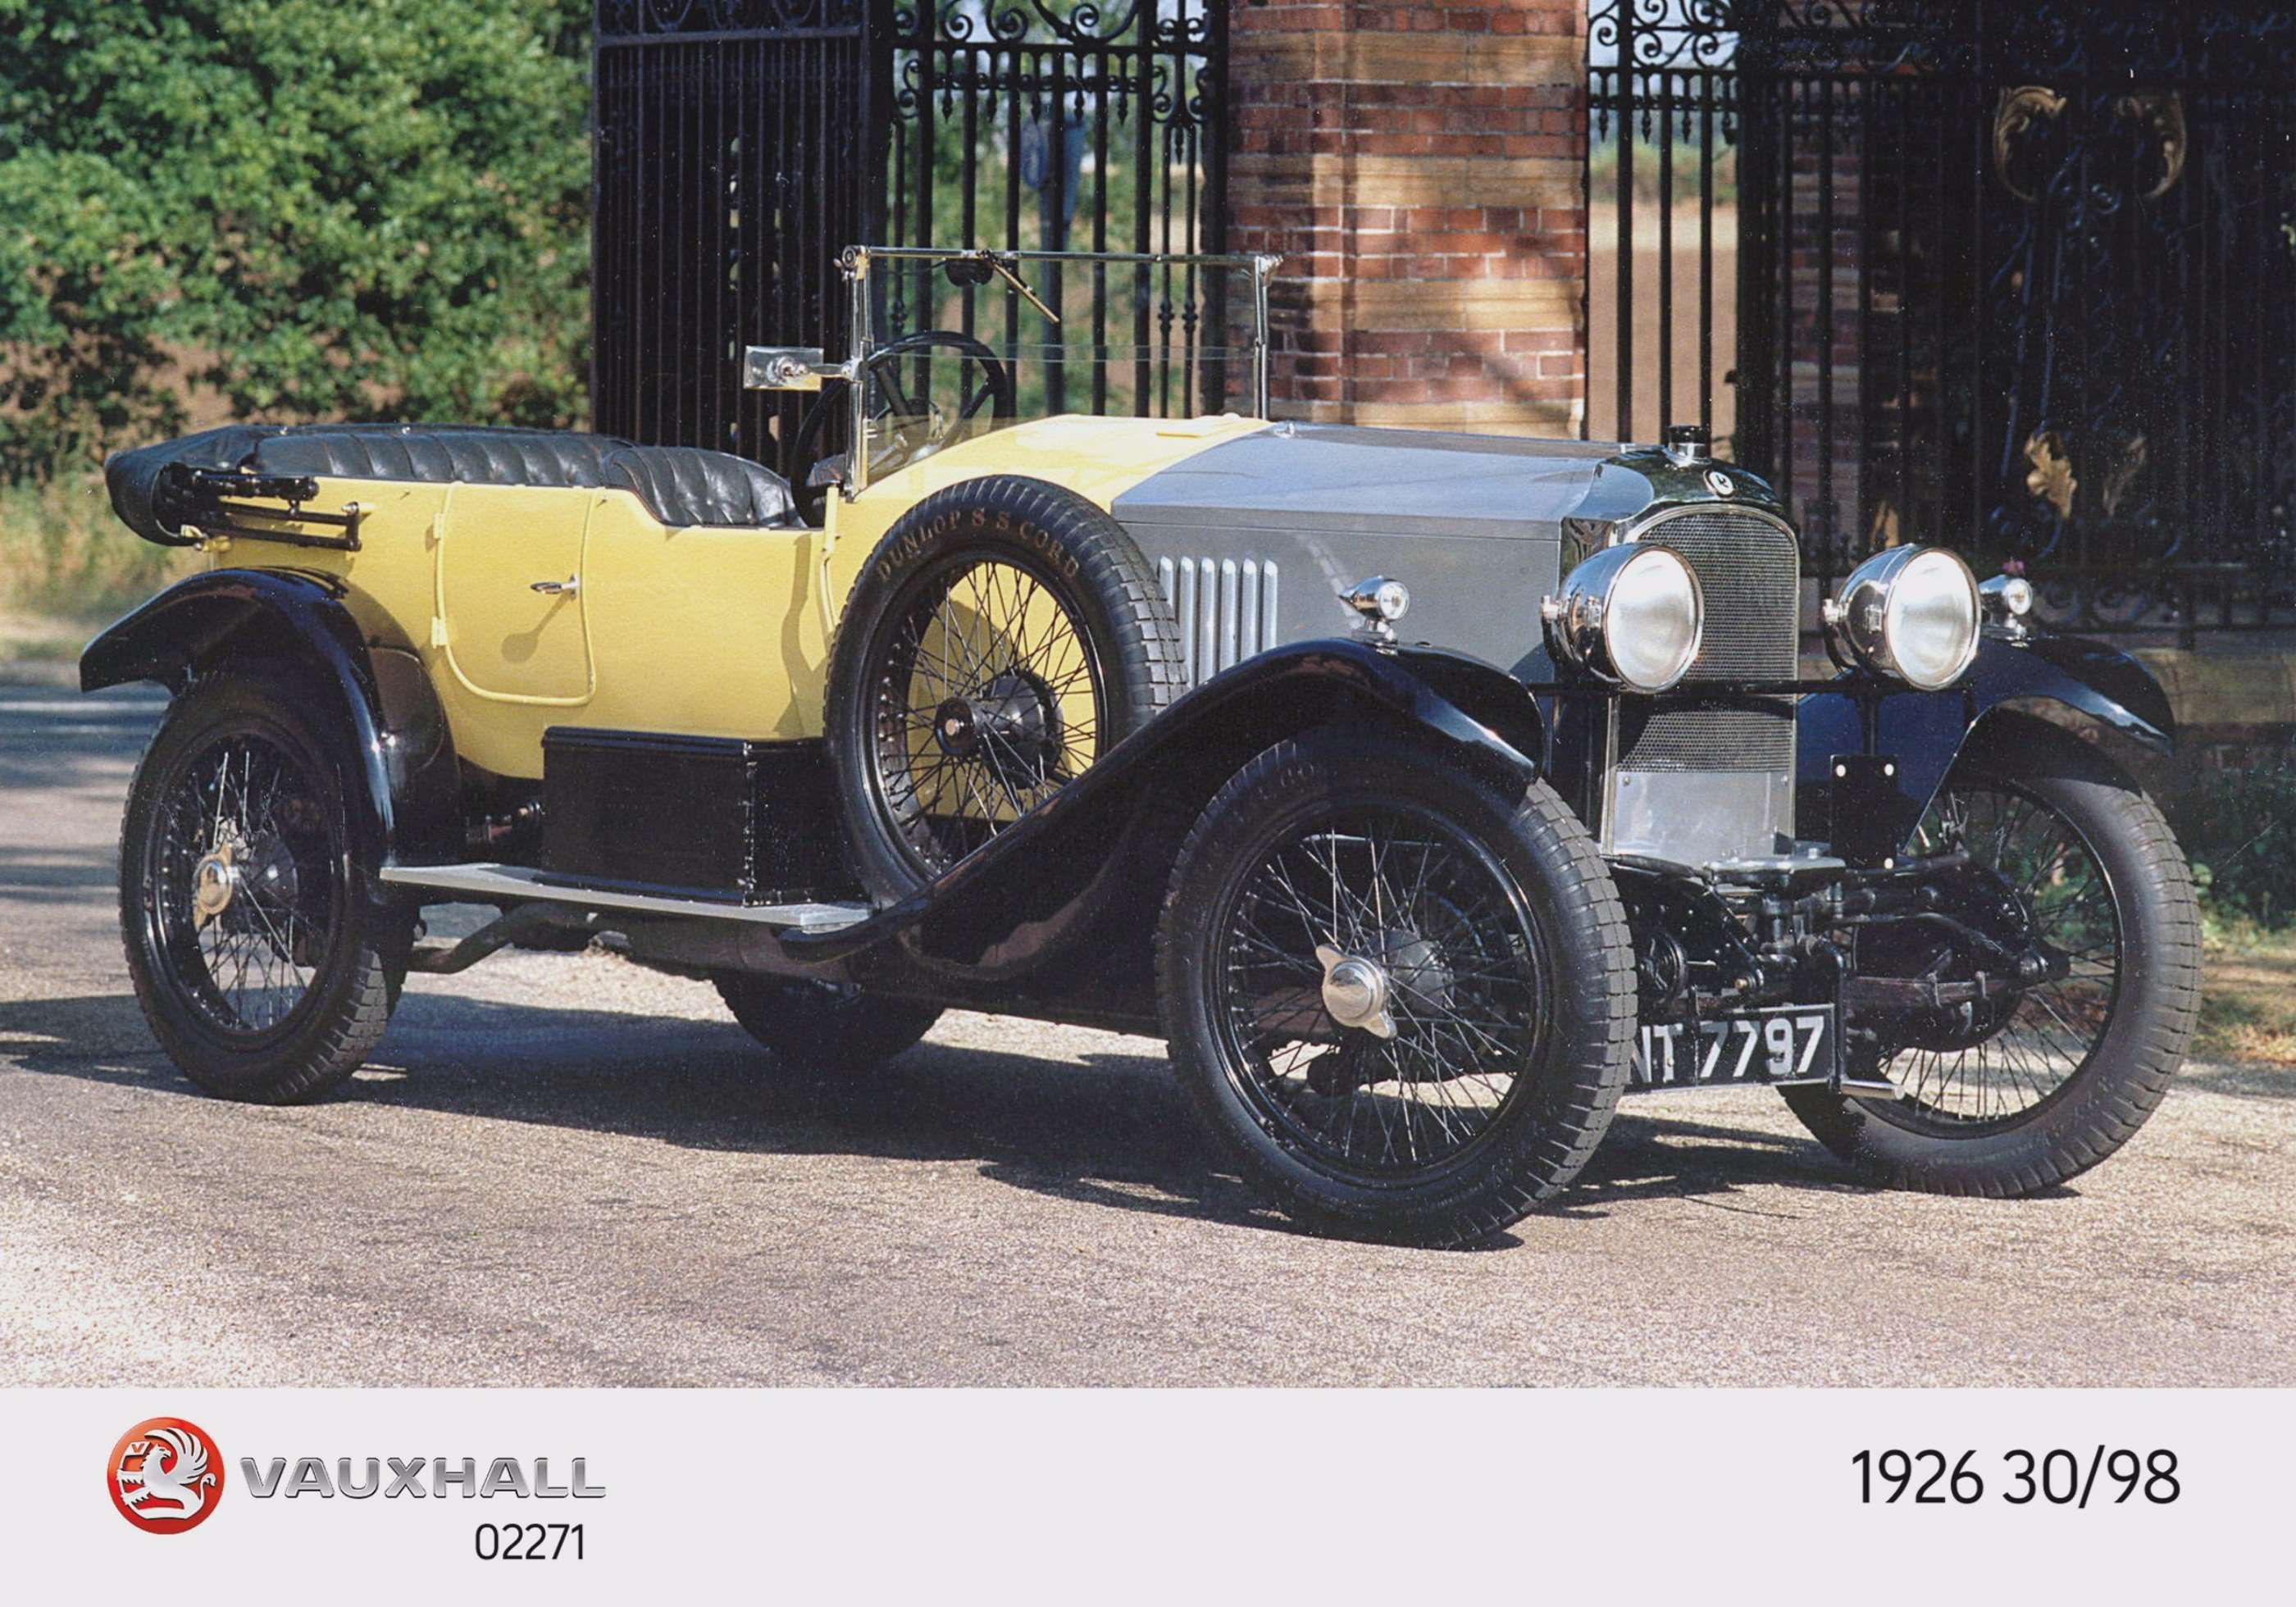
(925, 428)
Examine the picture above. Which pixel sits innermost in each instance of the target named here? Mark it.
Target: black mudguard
(375, 695)
(1870, 815)
(1067, 895)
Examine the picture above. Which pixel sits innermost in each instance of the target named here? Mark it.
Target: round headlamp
(1910, 613)
(1631, 614)
(2006, 597)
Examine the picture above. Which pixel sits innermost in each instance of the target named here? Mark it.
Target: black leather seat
(680, 486)
(436, 453)
(687, 486)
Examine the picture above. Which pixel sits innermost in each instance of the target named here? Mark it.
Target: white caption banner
(1147, 1496)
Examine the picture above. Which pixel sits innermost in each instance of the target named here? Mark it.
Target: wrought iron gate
(2010, 276)
(729, 140)
(1022, 123)
(741, 144)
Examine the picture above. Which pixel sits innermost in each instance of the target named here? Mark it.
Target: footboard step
(511, 883)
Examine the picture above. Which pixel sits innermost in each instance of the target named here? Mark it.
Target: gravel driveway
(570, 1170)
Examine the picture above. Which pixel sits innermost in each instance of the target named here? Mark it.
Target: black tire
(2078, 1109)
(280, 995)
(1505, 928)
(817, 1026)
(1058, 644)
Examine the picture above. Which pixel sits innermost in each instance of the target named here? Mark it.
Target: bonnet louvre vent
(1226, 610)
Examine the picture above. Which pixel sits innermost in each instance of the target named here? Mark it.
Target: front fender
(1922, 734)
(392, 737)
(1102, 845)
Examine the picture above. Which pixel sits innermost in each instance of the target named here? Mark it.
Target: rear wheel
(258, 953)
(1401, 1001)
(812, 1026)
(2020, 1092)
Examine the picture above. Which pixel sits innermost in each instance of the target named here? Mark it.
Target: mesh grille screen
(1752, 575)
(1755, 734)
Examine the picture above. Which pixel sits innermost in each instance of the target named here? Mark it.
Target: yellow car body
(705, 631)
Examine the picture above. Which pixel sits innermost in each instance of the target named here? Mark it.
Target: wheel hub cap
(1356, 992)
(1008, 725)
(214, 880)
(954, 728)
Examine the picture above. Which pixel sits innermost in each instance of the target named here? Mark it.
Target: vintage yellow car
(1114, 720)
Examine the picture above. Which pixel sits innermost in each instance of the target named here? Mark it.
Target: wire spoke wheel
(2088, 944)
(990, 698)
(1408, 1075)
(1996, 1062)
(263, 956)
(244, 895)
(1002, 637)
(1399, 996)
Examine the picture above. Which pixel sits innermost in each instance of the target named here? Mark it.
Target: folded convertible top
(155, 490)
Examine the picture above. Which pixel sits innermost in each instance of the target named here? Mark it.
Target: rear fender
(1101, 850)
(1922, 734)
(367, 678)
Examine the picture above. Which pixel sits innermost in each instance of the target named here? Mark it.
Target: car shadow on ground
(93, 751)
(1113, 1131)
(56, 875)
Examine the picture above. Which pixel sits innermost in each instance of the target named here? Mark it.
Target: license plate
(1782, 1044)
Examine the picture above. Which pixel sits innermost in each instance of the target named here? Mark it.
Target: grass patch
(67, 566)
(2248, 997)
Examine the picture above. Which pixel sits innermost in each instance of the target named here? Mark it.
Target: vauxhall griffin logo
(165, 1475)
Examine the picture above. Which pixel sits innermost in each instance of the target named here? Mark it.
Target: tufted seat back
(475, 456)
(680, 486)
(687, 486)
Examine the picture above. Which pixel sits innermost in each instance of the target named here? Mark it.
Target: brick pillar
(1419, 168)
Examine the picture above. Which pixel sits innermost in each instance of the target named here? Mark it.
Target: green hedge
(313, 208)
(2238, 828)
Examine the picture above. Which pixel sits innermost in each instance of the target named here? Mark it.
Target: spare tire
(1004, 635)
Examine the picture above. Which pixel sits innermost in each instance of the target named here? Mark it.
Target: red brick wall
(1419, 168)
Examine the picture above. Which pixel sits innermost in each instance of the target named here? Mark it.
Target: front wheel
(2018, 1094)
(1399, 999)
(261, 958)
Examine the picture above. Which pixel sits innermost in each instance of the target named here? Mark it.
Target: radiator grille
(1226, 610)
(1750, 572)
(1750, 734)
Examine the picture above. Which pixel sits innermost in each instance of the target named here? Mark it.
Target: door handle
(558, 589)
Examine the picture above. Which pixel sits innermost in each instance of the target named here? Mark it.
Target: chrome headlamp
(1634, 615)
(2007, 597)
(1910, 613)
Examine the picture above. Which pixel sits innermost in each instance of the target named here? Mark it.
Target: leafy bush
(313, 208)
(2239, 829)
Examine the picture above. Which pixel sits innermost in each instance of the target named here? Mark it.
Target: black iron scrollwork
(1997, 276)
(637, 19)
(1027, 124)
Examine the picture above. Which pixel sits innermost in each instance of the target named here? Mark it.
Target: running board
(516, 884)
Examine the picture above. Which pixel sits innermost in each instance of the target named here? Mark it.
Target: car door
(509, 591)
